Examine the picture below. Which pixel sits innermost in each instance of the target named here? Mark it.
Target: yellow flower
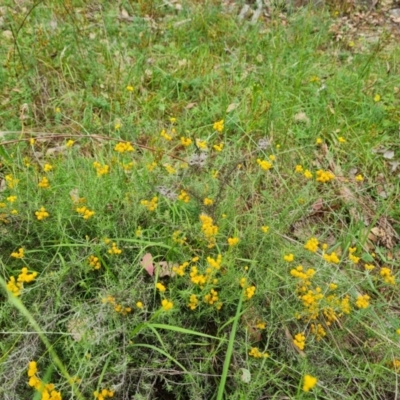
(44, 183)
(342, 139)
(123, 147)
(318, 141)
(387, 276)
(299, 168)
(362, 301)
(218, 147)
(233, 241)
(11, 199)
(359, 178)
(129, 88)
(308, 174)
(264, 164)
(272, 157)
(139, 304)
(41, 214)
(18, 254)
(289, 257)
(265, 228)
(186, 141)
(208, 202)
(377, 98)
(324, 176)
(201, 144)
(161, 287)
(299, 341)
(332, 258)
(47, 167)
(254, 352)
(219, 125)
(261, 325)
(166, 304)
(70, 143)
(312, 245)
(309, 382)
(369, 267)
(165, 135)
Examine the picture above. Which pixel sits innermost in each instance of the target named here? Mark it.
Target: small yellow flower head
(249, 292)
(32, 369)
(299, 341)
(362, 301)
(341, 139)
(312, 245)
(186, 141)
(307, 174)
(129, 88)
(114, 249)
(299, 168)
(332, 258)
(44, 183)
(324, 176)
(18, 254)
(101, 169)
(369, 267)
(219, 125)
(377, 98)
(208, 202)
(11, 199)
(166, 304)
(32, 141)
(265, 228)
(387, 276)
(318, 141)
(70, 143)
(139, 304)
(264, 164)
(272, 157)
(398, 331)
(42, 214)
(359, 178)
(201, 144)
(47, 167)
(233, 241)
(165, 135)
(124, 147)
(183, 196)
(289, 257)
(117, 126)
(161, 287)
(256, 353)
(261, 325)
(218, 147)
(309, 382)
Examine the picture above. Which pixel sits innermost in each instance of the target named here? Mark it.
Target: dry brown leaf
(388, 154)
(302, 117)
(165, 269)
(231, 107)
(190, 105)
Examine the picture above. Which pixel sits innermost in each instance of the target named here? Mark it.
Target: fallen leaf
(246, 375)
(74, 194)
(190, 105)
(388, 154)
(231, 107)
(394, 165)
(302, 117)
(147, 263)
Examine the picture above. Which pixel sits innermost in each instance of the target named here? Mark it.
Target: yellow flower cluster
(201, 144)
(44, 183)
(289, 257)
(309, 383)
(177, 237)
(193, 302)
(212, 297)
(161, 287)
(218, 147)
(219, 125)
(47, 390)
(256, 353)
(94, 262)
(11, 181)
(362, 301)
(165, 135)
(166, 304)
(387, 276)
(300, 341)
(152, 166)
(264, 164)
(209, 229)
(312, 245)
(261, 325)
(249, 292)
(183, 196)
(151, 205)
(332, 258)
(42, 214)
(265, 228)
(186, 141)
(215, 262)
(233, 241)
(318, 330)
(119, 308)
(18, 254)
(15, 286)
(47, 167)
(104, 393)
(324, 176)
(85, 212)
(170, 169)
(352, 257)
(180, 270)
(196, 278)
(124, 147)
(101, 169)
(114, 249)
(208, 202)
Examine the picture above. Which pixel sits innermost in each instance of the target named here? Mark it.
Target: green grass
(65, 76)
